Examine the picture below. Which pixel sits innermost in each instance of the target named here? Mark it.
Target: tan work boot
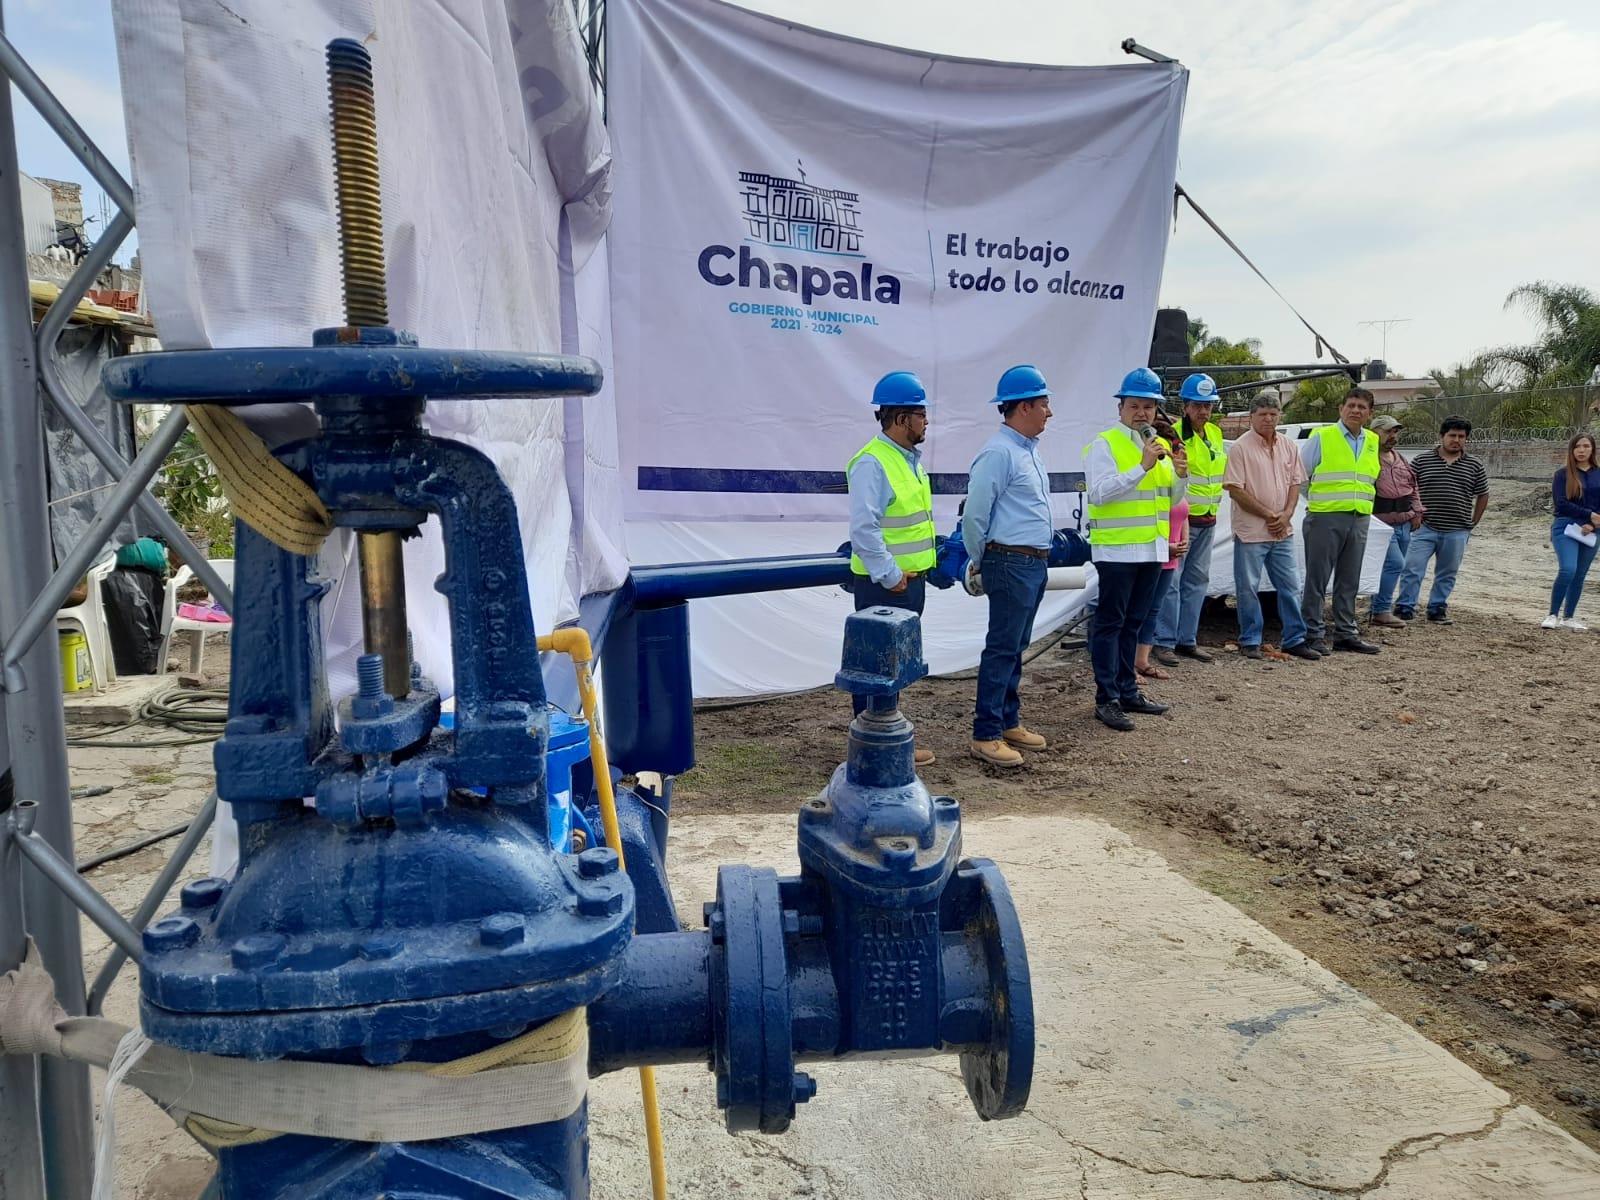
(1025, 738)
(996, 753)
(923, 758)
(1388, 620)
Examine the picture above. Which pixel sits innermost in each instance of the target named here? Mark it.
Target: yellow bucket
(77, 675)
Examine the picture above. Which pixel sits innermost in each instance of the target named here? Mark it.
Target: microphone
(1147, 432)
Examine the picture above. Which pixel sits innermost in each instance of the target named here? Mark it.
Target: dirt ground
(1423, 822)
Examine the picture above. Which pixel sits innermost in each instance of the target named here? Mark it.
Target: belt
(1030, 551)
(1395, 504)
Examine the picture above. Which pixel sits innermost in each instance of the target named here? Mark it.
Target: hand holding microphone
(1154, 451)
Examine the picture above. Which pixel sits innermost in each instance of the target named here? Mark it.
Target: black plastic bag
(133, 598)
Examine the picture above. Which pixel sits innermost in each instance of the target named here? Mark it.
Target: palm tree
(1566, 356)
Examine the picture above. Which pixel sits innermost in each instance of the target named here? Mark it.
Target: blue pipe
(672, 583)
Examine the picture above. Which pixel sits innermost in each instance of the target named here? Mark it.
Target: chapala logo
(798, 218)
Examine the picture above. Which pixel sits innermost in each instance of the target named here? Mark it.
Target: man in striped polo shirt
(1455, 491)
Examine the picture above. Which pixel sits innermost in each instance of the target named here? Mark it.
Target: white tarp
(799, 213)
(495, 179)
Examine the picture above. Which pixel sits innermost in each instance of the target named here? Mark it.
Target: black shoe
(1355, 646)
(1320, 645)
(1112, 715)
(1301, 650)
(1250, 651)
(1440, 618)
(1195, 653)
(1405, 614)
(1140, 703)
(1164, 656)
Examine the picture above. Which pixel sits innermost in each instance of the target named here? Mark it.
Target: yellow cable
(574, 643)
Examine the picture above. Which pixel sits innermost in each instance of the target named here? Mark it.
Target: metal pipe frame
(46, 1113)
(1324, 373)
(59, 119)
(82, 556)
(62, 1111)
(49, 334)
(1351, 369)
(60, 872)
(154, 899)
(21, 1163)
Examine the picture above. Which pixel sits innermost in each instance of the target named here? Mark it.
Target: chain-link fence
(1541, 415)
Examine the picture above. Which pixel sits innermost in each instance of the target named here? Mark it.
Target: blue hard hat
(1141, 383)
(1020, 383)
(899, 389)
(1202, 389)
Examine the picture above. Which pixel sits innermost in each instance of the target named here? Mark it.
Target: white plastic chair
(89, 619)
(172, 623)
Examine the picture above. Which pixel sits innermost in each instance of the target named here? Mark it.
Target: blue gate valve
(886, 943)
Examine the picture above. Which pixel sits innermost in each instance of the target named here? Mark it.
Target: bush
(190, 489)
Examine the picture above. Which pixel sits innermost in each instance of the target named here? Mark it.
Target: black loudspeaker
(1170, 345)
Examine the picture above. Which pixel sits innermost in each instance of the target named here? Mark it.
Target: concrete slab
(119, 703)
(1184, 1051)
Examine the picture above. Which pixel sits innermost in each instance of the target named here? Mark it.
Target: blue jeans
(1188, 594)
(1426, 543)
(1394, 562)
(1572, 567)
(1014, 584)
(1163, 614)
(1126, 590)
(873, 595)
(1249, 558)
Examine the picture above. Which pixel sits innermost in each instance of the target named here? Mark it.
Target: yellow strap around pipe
(574, 643)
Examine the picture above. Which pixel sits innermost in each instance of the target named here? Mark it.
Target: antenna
(1385, 324)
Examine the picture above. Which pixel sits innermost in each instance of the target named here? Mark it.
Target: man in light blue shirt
(1006, 529)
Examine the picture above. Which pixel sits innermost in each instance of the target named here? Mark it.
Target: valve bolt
(202, 893)
(501, 930)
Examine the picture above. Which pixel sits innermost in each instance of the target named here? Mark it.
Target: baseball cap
(1385, 422)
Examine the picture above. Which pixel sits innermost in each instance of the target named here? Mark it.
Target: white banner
(495, 198)
(796, 214)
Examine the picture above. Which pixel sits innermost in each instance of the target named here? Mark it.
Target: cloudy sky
(1376, 158)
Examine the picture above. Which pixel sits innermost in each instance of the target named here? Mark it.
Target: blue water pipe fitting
(421, 907)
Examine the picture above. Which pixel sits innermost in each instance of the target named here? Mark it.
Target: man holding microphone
(1132, 480)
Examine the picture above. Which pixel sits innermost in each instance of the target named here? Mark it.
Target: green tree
(1219, 351)
(1552, 375)
(1317, 399)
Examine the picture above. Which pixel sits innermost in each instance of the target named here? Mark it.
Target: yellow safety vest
(1142, 517)
(1208, 458)
(908, 523)
(1342, 482)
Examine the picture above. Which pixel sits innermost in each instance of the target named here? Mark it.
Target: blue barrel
(568, 746)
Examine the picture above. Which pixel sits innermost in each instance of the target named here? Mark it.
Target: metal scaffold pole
(21, 1160)
(35, 725)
